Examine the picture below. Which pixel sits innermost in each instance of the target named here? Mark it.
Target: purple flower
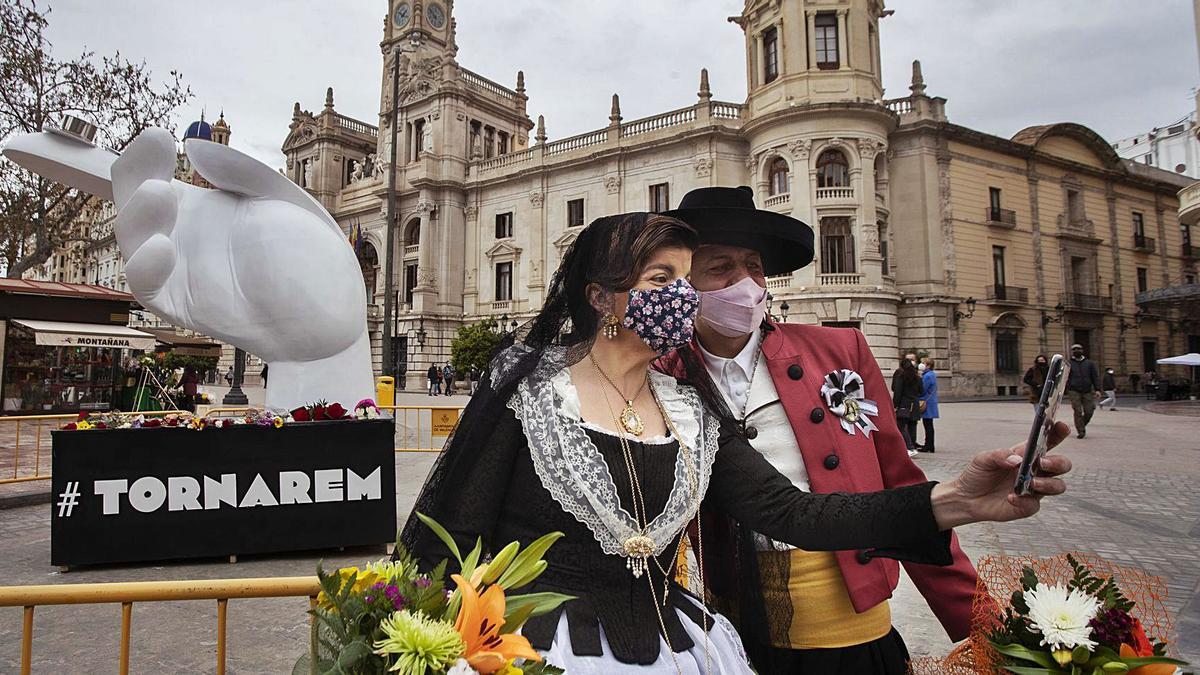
(422, 582)
(393, 594)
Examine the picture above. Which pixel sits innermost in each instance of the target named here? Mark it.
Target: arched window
(837, 246)
(368, 261)
(778, 177)
(412, 233)
(832, 170)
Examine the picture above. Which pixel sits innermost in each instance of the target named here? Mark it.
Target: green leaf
(1139, 661)
(514, 618)
(541, 603)
(353, 653)
(472, 561)
(501, 562)
(526, 559)
(441, 534)
(1025, 670)
(1019, 652)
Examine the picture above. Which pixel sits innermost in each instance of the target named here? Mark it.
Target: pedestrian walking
(473, 375)
(189, 382)
(1035, 378)
(263, 374)
(906, 397)
(1083, 388)
(435, 380)
(1109, 384)
(929, 401)
(448, 378)
(229, 376)
(1135, 379)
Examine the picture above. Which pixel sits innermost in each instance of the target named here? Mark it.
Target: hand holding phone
(1043, 421)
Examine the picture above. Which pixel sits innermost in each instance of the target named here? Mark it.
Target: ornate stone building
(981, 250)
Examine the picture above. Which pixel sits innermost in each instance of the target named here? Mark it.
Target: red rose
(82, 416)
(335, 411)
(319, 412)
(172, 421)
(152, 423)
(301, 414)
(69, 426)
(101, 425)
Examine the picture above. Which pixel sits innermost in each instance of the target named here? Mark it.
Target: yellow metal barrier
(11, 428)
(221, 590)
(423, 428)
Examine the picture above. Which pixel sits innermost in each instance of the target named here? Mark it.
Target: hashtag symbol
(68, 499)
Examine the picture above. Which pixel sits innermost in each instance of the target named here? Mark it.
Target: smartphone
(1044, 414)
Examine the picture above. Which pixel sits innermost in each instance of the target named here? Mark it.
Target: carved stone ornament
(435, 115)
(800, 148)
(870, 238)
(427, 276)
(612, 184)
(461, 117)
(869, 148)
(703, 166)
(536, 198)
(471, 212)
(425, 206)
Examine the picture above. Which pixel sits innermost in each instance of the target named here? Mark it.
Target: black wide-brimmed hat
(725, 215)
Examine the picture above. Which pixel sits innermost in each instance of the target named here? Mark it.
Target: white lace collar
(573, 471)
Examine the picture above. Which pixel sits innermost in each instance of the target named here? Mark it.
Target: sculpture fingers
(237, 172)
(151, 156)
(147, 271)
(150, 210)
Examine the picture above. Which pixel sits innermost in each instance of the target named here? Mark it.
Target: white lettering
(183, 493)
(358, 487)
(111, 491)
(258, 494)
(329, 485)
(147, 494)
(293, 487)
(224, 492)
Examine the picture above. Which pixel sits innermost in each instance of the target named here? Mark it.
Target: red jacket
(798, 358)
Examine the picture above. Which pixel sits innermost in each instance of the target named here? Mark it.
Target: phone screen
(1044, 416)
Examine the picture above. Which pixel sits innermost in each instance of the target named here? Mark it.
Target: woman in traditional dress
(572, 431)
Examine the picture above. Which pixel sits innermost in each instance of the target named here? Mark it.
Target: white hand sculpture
(256, 262)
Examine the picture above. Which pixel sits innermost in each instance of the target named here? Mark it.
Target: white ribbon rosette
(843, 391)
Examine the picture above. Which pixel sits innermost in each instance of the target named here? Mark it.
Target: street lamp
(390, 271)
(235, 395)
(969, 313)
(783, 310)
(514, 325)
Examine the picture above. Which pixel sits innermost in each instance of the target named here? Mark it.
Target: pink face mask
(736, 310)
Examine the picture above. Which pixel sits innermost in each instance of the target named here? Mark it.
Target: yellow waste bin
(385, 391)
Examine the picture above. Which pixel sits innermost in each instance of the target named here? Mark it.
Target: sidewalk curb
(27, 499)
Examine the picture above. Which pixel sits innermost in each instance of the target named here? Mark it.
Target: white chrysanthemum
(1062, 616)
(462, 668)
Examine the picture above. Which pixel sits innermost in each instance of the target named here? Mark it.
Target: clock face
(436, 15)
(403, 13)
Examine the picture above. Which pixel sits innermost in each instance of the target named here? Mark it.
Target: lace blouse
(543, 469)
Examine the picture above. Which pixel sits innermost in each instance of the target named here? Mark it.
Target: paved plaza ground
(1133, 500)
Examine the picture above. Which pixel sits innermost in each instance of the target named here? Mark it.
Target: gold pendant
(631, 420)
(638, 549)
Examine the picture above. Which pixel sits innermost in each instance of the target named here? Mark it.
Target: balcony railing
(1143, 243)
(1009, 294)
(1083, 301)
(781, 281)
(412, 250)
(832, 193)
(850, 279)
(777, 200)
(501, 305)
(1000, 217)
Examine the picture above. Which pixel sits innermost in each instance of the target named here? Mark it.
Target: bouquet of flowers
(391, 617)
(1068, 614)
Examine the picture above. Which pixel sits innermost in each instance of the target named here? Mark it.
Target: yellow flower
(364, 580)
(82, 426)
(278, 422)
(510, 669)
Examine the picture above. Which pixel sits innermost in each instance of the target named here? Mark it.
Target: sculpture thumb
(151, 156)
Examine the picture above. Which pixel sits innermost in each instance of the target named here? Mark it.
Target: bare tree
(37, 89)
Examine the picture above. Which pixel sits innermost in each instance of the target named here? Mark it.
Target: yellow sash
(823, 615)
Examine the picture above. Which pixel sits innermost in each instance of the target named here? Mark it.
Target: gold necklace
(640, 546)
(629, 419)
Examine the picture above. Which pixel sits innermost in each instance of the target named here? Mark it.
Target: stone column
(801, 183)
(426, 290)
(872, 261)
(537, 249)
(843, 41)
(811, 17)
(1110, 196)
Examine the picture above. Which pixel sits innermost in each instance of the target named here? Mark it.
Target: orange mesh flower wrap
(999, 576)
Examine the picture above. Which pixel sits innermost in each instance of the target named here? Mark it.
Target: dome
(200, 129)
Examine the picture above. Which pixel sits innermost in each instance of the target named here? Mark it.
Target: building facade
(980, 250)
(1173, 147)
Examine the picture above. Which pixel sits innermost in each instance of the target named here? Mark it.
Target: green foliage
(1104, 590)
(473, 345)
(202, 364)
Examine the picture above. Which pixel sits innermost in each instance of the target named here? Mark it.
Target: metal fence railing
(128, 593)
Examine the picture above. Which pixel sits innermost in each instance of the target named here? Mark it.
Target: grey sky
(1117, 66)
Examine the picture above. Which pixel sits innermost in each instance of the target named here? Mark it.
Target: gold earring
(608, 325)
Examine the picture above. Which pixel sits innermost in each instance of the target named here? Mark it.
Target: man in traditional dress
(814, 402)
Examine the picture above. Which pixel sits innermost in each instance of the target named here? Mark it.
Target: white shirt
(732, 376)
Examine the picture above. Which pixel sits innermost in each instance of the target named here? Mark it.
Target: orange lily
(1128, 652)
(479, 622)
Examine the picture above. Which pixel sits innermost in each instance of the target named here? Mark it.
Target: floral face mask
(663, 318)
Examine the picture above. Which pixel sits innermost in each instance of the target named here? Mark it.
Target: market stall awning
(68, 334)
(186, 345)
(1192, 359)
